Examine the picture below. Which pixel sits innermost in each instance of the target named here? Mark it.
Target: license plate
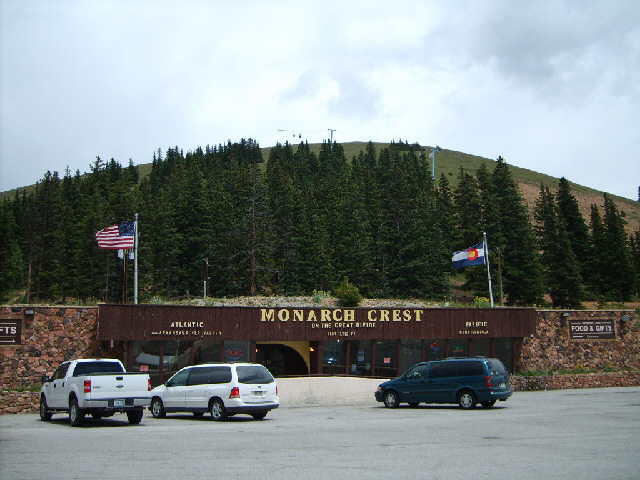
(503, 385)
(258, 393)
(119, 402)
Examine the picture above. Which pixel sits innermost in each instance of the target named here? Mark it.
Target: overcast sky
(551, 86)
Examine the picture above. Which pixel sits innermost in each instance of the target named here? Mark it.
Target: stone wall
(580, 380)
(50, 336)
(19, 402)
(551, 350)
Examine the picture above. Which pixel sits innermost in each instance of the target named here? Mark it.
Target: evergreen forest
(299, 222)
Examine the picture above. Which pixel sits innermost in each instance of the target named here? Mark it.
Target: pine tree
(10, 252)
(445, 214)
(468, 211)
(576, 227)
(620, 275)
(595, 266)
(634, 249)
(357, 213)
(522, 272)
(562, 273)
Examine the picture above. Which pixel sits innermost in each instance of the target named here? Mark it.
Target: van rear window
(496, 367)
(253, 374)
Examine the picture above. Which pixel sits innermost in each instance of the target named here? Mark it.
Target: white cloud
(544, 84)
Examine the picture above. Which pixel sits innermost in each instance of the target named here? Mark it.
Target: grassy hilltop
(449, 163)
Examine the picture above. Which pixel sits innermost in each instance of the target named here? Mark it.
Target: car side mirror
(46, 379)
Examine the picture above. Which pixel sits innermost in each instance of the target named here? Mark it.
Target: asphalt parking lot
(586, 434)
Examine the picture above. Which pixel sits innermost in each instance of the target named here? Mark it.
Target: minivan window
(443, 369)
(417, 372)
(199, 376)
(469, 368)
(253, 374)
(179, 379)
(220, 375)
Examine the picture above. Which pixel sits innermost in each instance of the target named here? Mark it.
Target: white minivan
(222, 389)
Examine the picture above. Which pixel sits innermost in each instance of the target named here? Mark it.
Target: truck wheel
(134, 416)
(45, 414)
(76, 414)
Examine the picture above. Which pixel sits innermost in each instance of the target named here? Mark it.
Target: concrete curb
(305, 391)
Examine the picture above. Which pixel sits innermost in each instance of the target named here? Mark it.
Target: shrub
(319, 295)
(348, 294)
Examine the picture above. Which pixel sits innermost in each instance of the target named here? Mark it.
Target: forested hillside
(304, 218)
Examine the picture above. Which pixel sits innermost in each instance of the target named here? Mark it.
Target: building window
(360, 358)
(481, 347)
(387, 358)
(411, 354)
(435, 349)
(207, 352)
(459, 347)
(237, 351)
(334, 357)
(504, 352)
(146, 358)
(177, 355)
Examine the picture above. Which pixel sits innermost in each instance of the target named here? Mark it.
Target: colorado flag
(469, 257)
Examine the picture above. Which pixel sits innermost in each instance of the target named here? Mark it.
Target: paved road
(569, 434)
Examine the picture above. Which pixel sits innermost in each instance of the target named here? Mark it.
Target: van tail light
(235, 393)
(149, 385)
(489, 381)
(276, 390)
(87, 386)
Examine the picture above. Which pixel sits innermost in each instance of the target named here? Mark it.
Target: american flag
(116, 237)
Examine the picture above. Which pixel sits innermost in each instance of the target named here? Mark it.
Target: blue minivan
(465, 381)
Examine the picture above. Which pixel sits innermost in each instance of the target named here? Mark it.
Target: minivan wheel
(467, 400)
(391, 399)
(488, 404)
(157, 408)
(218, 412)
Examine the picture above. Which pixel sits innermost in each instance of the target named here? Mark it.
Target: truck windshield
(89, 368)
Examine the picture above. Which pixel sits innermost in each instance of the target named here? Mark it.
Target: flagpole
(486, 254)
(135, 261)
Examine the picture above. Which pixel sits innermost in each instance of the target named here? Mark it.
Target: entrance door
(281, 359)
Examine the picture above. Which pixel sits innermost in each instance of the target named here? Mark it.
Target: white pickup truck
(99, 387)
